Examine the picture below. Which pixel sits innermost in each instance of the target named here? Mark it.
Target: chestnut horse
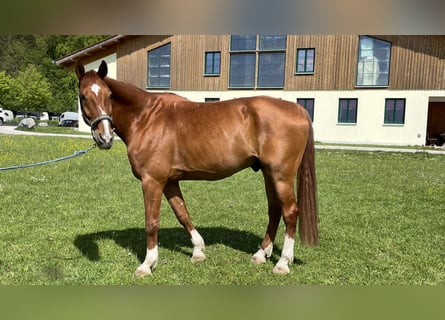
(170, 138)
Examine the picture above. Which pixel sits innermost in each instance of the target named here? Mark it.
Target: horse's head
(95, 102)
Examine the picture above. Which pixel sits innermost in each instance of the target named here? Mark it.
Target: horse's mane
(129, 92)
(123, 90)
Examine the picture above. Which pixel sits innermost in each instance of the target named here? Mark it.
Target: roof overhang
(89, 51)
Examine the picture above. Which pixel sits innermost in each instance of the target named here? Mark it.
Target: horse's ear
(103, 69)
(80, 70)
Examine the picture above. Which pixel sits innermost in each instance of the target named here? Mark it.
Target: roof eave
(87, 50)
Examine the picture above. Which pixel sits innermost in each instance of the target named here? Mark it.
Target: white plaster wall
(111, 63)
(370, 127)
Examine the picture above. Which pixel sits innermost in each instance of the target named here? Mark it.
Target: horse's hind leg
(286, 194)
(174, 196)
(274, 211)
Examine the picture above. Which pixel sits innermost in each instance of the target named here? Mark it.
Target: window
(242, 70)
(212, 63)
(395, 111)
(373, 62)
(271, 70)
(159, 67)
(305, 61)
(211, 99)
(257, 61)
(243, 43)
(347, 111)
(308, 104)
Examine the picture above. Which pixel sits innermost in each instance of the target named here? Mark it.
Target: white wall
(111, 63)
(370, 127)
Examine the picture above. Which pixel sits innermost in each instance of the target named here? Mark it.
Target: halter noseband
(93, 124)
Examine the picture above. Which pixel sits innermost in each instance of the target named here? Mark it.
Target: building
(359, 89)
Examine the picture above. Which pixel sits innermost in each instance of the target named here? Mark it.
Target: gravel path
(438, 150)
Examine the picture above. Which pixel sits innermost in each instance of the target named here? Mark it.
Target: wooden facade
(417, 62)
(416, 76)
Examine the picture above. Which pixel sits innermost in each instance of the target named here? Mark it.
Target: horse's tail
(307, 194)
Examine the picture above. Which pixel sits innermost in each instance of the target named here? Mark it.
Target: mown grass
(382, 221)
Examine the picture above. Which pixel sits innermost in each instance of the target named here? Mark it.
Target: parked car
(44, 116)
(54, 115)
(33, 114)
(67, 115)
(69, 123)
(20, 114)
(5, 115)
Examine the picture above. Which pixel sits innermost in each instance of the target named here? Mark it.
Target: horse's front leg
(152, 190)
(175, 199)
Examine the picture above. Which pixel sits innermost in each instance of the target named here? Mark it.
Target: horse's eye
(82, 98)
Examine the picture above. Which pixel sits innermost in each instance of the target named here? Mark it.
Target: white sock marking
(197, 240)
(261, 255)
(288, 249)
(150, 262)
(287, 256)
(198, 246)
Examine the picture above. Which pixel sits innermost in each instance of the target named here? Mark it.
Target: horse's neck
(129, 103)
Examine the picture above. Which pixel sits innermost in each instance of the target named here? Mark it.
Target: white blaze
(95, 88)
(107, 127)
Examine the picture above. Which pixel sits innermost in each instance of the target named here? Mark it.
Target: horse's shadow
(174, 239)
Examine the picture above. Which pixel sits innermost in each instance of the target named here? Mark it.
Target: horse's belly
(212, 170)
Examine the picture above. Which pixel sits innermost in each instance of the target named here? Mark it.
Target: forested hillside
(29, 80)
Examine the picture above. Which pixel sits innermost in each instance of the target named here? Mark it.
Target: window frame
(211, 99)
(394, 111)
(258, 72)
(348, 120)
(376, 52)
(160, 86)
(305, 71)
(304, 102)
(213, 73)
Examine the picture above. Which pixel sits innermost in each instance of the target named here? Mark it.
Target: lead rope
(75, 154)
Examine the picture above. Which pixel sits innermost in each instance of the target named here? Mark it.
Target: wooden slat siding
(335, 62)
(188, 58)
(217, 43)
(132, 58)
(417, 62)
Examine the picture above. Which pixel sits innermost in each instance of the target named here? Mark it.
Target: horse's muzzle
(103, 141)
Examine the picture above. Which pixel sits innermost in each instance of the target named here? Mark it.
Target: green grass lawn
(382, 221)
(52, 129)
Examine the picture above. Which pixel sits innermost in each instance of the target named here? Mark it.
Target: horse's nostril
(106, 138)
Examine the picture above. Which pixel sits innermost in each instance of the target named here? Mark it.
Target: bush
(13, 122)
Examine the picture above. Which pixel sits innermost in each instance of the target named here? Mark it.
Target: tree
(8, 88)
(18, 52)
(34, 91)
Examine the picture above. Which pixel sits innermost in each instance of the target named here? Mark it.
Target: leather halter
(93, 124)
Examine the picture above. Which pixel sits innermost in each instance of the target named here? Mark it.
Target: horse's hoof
(258, 259)
(198, 257)
(142, 271)
(281, 269)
